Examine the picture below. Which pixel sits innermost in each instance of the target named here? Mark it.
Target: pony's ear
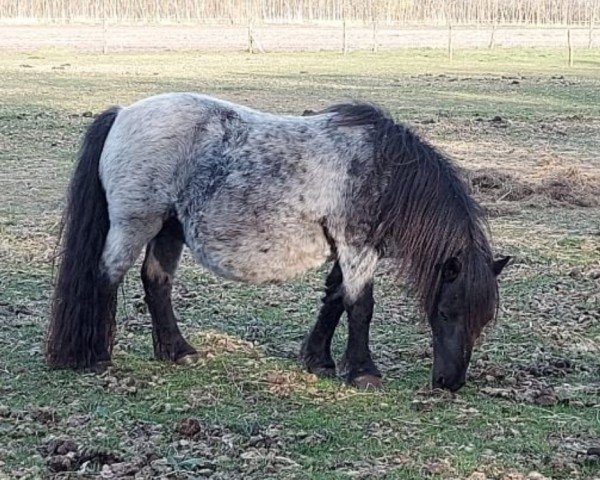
(450, 269)
(498, 265)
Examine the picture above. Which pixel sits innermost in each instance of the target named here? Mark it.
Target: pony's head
(466, 301)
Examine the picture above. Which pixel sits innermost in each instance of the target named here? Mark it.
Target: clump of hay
(571, 186)
(493, 185)
(559, 187)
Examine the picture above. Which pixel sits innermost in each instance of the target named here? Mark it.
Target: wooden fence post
(250, 14)
(448, 15)
(253, 44)
(375, 45)
(374, 12)
(344, 33)
(450, 48)
(104, 29)
(250, 37)
(570, 47)
(492, 39)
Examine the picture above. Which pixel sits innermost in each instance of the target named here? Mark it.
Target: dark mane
(426, 213)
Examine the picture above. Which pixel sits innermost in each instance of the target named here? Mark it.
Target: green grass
(262, 416)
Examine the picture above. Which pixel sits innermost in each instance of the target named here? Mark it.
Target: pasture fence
(348, 15)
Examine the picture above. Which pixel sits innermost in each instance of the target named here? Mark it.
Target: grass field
(528, 129)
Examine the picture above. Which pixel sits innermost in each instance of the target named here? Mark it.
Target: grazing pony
(261, 198)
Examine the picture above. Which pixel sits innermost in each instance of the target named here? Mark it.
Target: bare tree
(390, 11)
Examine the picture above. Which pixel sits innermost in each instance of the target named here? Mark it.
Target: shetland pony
(258, 197)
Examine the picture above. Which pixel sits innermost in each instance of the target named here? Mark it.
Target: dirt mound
(564, 186)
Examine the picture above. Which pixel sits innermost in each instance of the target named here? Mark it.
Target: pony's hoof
(100, 367)
(189, 359)
(367, 382)
(323, 372)
(321, 367)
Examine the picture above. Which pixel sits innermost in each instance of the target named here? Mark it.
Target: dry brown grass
(559, 186)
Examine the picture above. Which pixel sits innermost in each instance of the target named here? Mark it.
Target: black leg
(162, 258)
(359, 368)
(316, 350)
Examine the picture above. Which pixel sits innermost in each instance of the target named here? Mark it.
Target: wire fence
(269, 25)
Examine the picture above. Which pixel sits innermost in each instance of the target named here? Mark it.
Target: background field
(278, 38)
(528, 131)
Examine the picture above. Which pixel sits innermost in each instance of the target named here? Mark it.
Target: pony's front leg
(358, 268)
(359, 368)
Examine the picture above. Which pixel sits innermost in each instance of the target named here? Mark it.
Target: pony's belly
(257, 258)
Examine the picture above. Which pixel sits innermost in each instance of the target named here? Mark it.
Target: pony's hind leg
(316, 349)
(123, 246)
(162, 258)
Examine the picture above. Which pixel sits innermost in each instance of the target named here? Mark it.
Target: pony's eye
(444, 316)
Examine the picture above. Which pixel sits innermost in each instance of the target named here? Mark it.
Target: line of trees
(471, 12)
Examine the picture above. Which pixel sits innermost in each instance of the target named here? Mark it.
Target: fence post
(492, 39)
(570, 47)
(250, 14)
(375, 46)
(448, 15)
(344, 33)
(591, 31)
(450, 49)
(104, 29)
(250, 37)
(375, 15)
(253, 44)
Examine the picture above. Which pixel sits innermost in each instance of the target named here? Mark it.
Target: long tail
(83, 307)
